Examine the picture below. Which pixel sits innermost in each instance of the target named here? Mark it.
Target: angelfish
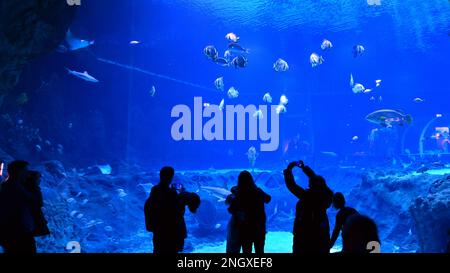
(267, 98)
(231, 37)
(82, 75)
(258, 114)
(218, 83)
(152, 91)
(315, 60)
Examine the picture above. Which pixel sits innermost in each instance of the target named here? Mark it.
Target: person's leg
(22, 245)
(233, 239)
(260, 242)
(247, 246)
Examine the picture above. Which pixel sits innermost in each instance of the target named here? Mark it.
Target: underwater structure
(98, 103)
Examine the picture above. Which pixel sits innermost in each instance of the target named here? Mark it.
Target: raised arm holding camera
(311, 227)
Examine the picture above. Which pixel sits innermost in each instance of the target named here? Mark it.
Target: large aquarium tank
(99, 95)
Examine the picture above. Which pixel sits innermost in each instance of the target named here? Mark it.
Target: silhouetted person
(32, 184)
(164, 213)
(233, 235)
(358, 231)
(342, 215)
(17, 225)
(311, 226)
(248, 221)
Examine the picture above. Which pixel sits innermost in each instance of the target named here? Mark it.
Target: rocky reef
(431, 215)
(29, 29)
(411, 210)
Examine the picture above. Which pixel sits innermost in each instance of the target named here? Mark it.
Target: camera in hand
(177, 186)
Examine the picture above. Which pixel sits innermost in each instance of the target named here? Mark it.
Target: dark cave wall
(29, 29)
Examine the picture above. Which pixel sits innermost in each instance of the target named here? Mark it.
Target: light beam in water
(130, 67)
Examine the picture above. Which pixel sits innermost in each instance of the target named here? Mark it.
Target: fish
(439, 115)
(258, 114)
(222, 104)
(326, 44)
(267, 98)
(121, 193)
(352, 82)
(220, 193)
(332, 154)
(239, 62)
(372, 98)
(231, 37)
(388, 117)
(358, 88)
(84, 76)
(38, 148)
(236, 48)
(2, 167)
(152, 91)
(60, 149)
(280, 65)
(218, 83)
(355, 138)
(232, 93)
(377, 83)
(211, 52)
(367, 90)
(105, 169)
(72, 43)
(315, 60)
(280, 109)
(418, 100)
(221, 61)
(134, 42)
(217, 226)
(358, 50)
(252, 155)
(283, 100)
(228, 55)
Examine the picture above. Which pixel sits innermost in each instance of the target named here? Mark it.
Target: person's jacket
(311, 215)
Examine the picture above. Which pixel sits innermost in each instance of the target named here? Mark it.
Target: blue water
(406, 44)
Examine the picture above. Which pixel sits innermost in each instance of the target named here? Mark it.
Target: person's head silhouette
(166, 175)
(317, 182)
(245, 181)
(17, 170)
(338, 200)
(357, 232)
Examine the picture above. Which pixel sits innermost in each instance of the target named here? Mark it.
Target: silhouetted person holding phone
(246, 205)
(358, 231)
(17, 225)
(164, 213)
(341, 217)
(311, 226)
